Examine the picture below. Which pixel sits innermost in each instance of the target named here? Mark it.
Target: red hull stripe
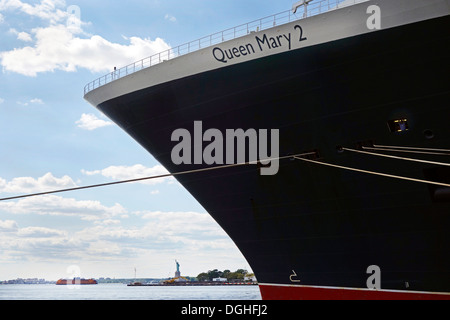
(288, 292)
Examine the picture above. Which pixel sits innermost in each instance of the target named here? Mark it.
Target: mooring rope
(411, 148)
(154, 177)
(296, 156)
(395, 157)
(374, 173)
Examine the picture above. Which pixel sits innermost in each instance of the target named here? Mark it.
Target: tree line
(239, 274)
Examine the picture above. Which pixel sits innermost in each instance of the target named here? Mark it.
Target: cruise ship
(317, 138)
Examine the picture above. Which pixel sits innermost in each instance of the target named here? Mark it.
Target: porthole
(428, 134)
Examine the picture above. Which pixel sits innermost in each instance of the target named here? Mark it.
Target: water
(115, 291)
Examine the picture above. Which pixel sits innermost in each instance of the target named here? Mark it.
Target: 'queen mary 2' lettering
(262, 43)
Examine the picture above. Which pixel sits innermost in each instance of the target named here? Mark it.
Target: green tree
(214, 274)
(203, 276)
(226, 274)
(236, 276)
(242, 271)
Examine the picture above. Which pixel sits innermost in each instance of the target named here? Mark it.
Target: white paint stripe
(330, 26)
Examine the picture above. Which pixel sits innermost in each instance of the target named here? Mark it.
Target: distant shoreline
(99, 280)
(193, 284)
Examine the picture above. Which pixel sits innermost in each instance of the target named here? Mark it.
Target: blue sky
(51, 138)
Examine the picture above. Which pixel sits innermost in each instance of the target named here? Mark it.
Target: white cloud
(88, 210)
(2, 100)
(180, 224)
(46, 9)
(156, 235)
(28, 184)
(24, 36)
(40, 232)
(132, 172)
(170, 18)
(57, 48)
(163, 231)
(157, 238)
(51, 204)
(91, 122)
(157, 232)
(32, 101)
(108, 222)
(8, 226)
(35, 243)
(40, 244)
(36, 101)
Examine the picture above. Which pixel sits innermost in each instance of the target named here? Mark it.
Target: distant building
(250, 278)
(220, 279)
(26, 281)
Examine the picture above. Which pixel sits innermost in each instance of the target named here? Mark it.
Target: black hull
(325, 224)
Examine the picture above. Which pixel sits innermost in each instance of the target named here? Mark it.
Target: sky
(51, 138)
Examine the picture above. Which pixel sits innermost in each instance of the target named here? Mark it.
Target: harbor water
(115, 291)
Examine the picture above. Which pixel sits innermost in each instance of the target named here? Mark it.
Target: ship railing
(312, 9)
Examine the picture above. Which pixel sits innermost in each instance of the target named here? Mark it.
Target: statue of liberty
(177, 273)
